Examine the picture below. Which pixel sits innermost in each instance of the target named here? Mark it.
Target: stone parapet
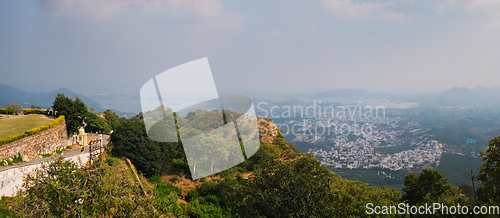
(32, 146)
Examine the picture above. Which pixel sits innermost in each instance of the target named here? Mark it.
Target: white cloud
(410, 2)
(350, 10)
(491, 4)
(396, 17)
(442, 5)
(96, 9)
(204, 8)
(308, 25)
(490, 9)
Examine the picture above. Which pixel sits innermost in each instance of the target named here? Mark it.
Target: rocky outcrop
(267, 130)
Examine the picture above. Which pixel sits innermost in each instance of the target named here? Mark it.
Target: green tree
(489, 171)
(74, 112)
(112, 118)
(301, 188)
(429, 182)
(467, 191)
(16, 107)
(431, 187)
(352, 198)
(96, 123)
(130, 140)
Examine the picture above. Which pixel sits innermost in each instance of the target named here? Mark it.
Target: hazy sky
(288, 46)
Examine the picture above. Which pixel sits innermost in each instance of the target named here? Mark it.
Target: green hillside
(277, 181)
(456, 168)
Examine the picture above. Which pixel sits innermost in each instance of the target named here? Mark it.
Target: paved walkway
(72, 152)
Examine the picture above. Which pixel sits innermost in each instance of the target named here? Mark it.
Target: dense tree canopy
(112, 118)
(489, 171)
(431, 187)
(301, 188)
(429, 182)
(96, 123)
(129, 139)
(74, 112)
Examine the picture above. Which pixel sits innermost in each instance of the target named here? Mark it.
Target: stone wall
(42, 143)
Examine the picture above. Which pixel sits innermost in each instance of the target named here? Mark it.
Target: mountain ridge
(42, 99)
(339, 93)
(455, 96)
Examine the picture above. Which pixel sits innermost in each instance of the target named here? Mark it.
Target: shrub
(34, 111)
(192, 194)
(163, 189)
(179, 166)
(55, 122)
(99, 192)
(174, 179)
(6, 204)
(205, 210)
(12, 138)
(210, 199)
(17, 159)
(155, 178)
(111, 161)
(5, 110)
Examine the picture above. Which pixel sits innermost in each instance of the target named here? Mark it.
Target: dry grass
(184, 183)
(187, 184)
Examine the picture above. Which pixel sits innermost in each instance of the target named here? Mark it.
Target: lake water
(373, 102)
(134, 105)
(122, 105)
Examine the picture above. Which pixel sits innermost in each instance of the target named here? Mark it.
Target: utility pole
(472, 180)
(94, 152)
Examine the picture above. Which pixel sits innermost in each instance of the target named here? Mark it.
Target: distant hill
(458, 96)
(348, 93)
(480, 89)
(43, 99)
